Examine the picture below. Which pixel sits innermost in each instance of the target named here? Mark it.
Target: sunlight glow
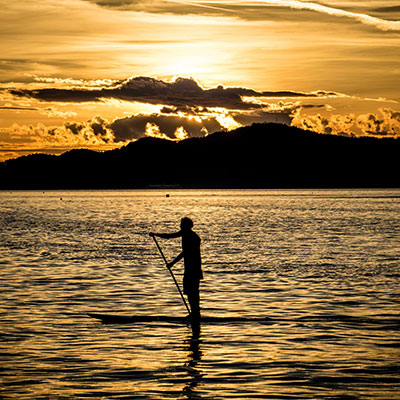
(227, 122)
(180, 133)
(189, 65)
(152, 130)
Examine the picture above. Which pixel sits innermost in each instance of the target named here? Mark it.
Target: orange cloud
(386, 122)
(26, 139)
(182, 92)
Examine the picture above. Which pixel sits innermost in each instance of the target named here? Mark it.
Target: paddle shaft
(173, 277)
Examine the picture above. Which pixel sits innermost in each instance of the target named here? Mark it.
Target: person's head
(186, 224)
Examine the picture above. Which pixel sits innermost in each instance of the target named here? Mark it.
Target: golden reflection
(194, 356)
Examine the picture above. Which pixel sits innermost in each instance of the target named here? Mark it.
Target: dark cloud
(134, 127)
(167, 123)
(262, 116)
(185, 109)
(283, 115)
(60, 95)
(98, 126)
(183, 92)
(114, 3)
(74, 127)
(195, 121)
(310, 106)
(393, 9)
(18, 108)
(137, 126)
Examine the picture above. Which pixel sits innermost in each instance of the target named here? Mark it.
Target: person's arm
(167, 235)
(177, 258)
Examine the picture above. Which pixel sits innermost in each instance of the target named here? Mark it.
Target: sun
(189, 65)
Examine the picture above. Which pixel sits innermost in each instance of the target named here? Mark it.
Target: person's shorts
(191, 286)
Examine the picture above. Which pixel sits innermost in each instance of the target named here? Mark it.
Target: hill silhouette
(257, 156)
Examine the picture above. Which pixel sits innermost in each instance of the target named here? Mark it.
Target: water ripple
(322, 265)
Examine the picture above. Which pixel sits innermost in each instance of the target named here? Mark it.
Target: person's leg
(194, 299)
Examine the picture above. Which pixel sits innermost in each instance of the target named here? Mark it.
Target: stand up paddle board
(131, 319)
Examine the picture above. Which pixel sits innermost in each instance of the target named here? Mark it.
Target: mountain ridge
(258, 156)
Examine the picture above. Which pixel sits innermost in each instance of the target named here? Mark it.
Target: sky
(99, 74)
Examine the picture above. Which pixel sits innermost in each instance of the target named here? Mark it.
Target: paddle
(173, 277)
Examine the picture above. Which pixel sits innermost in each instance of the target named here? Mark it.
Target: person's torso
(191, 253)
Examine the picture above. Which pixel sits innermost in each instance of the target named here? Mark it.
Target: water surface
(322, 264)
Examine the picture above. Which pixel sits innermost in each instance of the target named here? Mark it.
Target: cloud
(195, 122)
(26, 139)
(384, 123)
(164, 7)
(389, 9)
(175, 124)
(81, 83)
(135, 126)
(182, 92)
(387, 123)
(184, 109)
(172, 123)
(100, 134)
(18, 108)
(262, 116)
(249, 9)
(52, 112)
(383, 24)
(97, 130)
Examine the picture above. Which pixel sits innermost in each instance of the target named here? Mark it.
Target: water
(324, 265)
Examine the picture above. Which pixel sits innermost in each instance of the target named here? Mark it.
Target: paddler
(192, 263)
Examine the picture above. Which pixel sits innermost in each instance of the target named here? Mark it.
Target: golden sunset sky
(101, 73)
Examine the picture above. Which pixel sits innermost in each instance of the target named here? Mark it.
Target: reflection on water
(194, 357)
(323, 265)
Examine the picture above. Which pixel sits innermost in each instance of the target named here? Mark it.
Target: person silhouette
(192, 263)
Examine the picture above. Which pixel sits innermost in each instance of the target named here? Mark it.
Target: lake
(323, 265)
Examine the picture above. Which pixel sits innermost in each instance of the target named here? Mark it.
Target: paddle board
(130, 319)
